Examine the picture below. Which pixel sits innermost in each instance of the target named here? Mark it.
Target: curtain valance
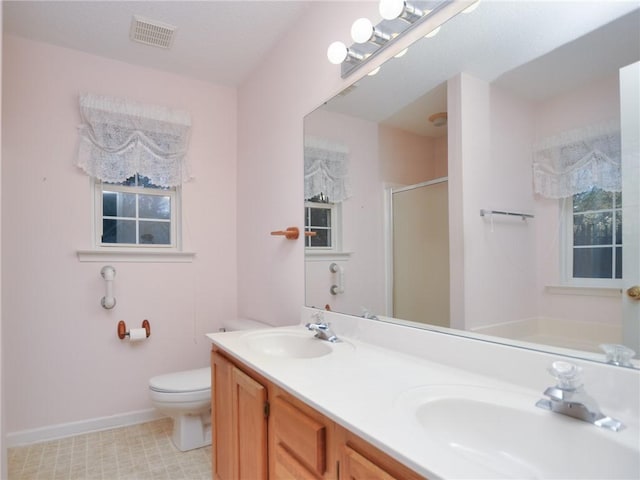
(119, 138)
(577, 160)
(326, 169)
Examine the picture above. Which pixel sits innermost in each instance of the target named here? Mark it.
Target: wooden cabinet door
(239, 423)
(250, 423)
(223, 453)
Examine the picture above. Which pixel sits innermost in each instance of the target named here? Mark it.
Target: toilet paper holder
(122, 329)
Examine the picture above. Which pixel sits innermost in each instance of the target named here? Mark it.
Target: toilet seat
(198, 380)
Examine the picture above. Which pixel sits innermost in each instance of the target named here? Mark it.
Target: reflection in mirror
(513, 109)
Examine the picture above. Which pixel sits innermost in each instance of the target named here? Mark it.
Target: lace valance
(119, 138)
(326, 169)
(577, 160)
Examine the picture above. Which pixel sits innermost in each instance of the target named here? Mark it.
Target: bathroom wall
(362, 215)
(509, 262)
(593, 103)
(294, 80)
(67, 364)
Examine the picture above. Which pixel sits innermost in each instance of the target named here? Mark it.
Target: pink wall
(294, 80)
(590, 104)
(67, 363)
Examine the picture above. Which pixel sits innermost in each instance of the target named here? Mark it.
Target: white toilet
(186, 397)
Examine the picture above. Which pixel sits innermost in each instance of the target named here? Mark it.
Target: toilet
(186, 397)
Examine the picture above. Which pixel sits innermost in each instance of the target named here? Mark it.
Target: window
(594, 256)
(136, 213)
(323, 219)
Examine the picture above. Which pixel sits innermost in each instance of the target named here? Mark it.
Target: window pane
(321, 239)
(592, 262)
(618, 197)
(320, 217)
(592, 229)
(157, 233)
(154, 206)
(618, 262)
(618, 215)
(118, 204)
(594, 199)
(118, 231)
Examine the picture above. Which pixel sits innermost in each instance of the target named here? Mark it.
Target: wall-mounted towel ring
(108, 273)
(122, 330)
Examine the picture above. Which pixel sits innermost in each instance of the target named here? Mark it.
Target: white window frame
(566, 253)
(336, 227)
(175, 220)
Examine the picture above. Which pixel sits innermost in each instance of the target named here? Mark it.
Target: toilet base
(191, 431)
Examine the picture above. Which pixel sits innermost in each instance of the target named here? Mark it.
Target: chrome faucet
(322, 329)
(569, 398)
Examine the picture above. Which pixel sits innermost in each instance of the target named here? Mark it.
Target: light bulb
(391, 9)
(362, 30)
(432, 33)
(337, 53)
(373, 72)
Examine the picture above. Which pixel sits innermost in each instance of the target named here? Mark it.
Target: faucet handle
(567, 374)
(618, 354)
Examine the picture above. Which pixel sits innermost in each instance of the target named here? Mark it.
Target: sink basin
(505, 436)
(288, 344)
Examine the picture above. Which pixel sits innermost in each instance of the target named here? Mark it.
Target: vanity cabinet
(239, 420)
(261, 431)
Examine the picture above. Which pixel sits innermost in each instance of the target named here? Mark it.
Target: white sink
(506, 436)
(288, 344)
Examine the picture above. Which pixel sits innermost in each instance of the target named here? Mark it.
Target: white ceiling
(530, 47)
(216, 41)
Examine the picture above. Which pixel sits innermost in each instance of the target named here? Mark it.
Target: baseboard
(27, 437)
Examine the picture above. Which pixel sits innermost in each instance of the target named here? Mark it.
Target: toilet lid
(186, 381)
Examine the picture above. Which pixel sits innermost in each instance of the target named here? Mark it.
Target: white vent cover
(151, 32)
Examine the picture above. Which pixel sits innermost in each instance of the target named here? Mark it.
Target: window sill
(583, 290)
(323, 256)
(135, 256)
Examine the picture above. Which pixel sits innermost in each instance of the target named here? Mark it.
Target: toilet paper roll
(137, 334)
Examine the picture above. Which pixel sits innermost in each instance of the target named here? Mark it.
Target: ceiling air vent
(151, 32)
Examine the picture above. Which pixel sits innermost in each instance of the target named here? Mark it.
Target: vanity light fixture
(338, 53)
(392, 9)
(399, 17)
(363, 31)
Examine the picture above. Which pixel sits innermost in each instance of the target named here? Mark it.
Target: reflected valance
(119, 138)
(578, 160)
(326, 169)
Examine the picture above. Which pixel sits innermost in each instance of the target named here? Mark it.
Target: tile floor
(138, 452)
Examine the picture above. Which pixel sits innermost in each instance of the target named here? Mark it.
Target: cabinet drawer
(300, 435)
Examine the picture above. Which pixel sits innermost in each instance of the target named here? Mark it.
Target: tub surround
(361, 384)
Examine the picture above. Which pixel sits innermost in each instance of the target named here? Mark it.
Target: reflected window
(322, 218)
(596, 247)
(135, 213)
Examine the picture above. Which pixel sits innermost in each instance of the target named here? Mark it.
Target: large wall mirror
(473, 185)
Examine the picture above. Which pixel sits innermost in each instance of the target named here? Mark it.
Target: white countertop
(364, 387)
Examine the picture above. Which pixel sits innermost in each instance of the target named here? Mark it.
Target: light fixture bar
(370, 41)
